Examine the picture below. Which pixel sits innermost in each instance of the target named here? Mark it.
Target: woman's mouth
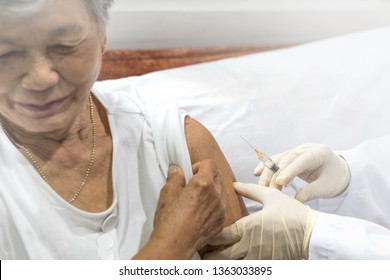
(45, 107)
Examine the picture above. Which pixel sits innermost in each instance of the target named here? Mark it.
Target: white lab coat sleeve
(368, 195)
(337, 237)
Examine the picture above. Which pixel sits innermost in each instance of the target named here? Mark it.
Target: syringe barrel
(271, 165)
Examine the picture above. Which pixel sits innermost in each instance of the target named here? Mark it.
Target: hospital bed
(334, 91)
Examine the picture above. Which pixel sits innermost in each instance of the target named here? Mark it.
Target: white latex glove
(326, 173)
(282, 230)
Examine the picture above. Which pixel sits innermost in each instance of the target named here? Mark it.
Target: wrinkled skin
(178, 235)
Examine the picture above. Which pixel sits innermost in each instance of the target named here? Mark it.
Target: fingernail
(280, 180)
(172, 169)
(257, 170)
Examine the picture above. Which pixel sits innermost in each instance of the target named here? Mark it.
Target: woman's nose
(40, 75)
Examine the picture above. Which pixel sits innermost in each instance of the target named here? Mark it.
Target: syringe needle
(248, 143)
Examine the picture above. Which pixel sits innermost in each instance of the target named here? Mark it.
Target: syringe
(270, 164)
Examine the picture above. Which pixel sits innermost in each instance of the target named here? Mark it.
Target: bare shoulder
(202, 145)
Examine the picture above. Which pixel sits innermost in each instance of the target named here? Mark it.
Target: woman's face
(49, 61)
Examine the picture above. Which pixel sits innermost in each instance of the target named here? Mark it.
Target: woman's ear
(104, 43)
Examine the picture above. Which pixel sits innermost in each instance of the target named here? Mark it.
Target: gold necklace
(39, 169)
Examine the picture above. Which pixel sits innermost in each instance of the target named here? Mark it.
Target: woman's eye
(62, 49)
(10, 55)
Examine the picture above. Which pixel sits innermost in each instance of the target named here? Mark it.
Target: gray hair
(98, 8)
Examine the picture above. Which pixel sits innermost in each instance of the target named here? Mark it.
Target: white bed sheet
(334, 91)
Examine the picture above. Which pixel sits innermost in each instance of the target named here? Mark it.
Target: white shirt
(365, 234)
(36, 223)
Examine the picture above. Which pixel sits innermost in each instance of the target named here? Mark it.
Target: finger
(273, 184)
(305, 162)
(259, 169)
(221, 191)
(265, 177)
(306, 193)
(287, 159)
(175, 182)
(252, 191)
(175, 178)
(227, 236)
(216, 255)
(206, 172)
(283, 163)
(230, 236)
(235, 252)
(204, 167)
(195, 168)
(207, 175)
(218, 181)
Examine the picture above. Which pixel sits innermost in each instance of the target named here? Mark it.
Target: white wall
(151, 24)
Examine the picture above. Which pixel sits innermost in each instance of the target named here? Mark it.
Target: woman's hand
(187, 216)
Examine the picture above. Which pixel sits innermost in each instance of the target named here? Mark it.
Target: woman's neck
(45, 144)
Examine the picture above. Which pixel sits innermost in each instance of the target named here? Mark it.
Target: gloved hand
(282, 230)
(326, 173)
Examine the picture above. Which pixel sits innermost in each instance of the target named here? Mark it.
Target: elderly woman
(83, 164)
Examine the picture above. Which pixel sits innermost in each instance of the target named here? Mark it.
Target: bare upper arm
(201, 146)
